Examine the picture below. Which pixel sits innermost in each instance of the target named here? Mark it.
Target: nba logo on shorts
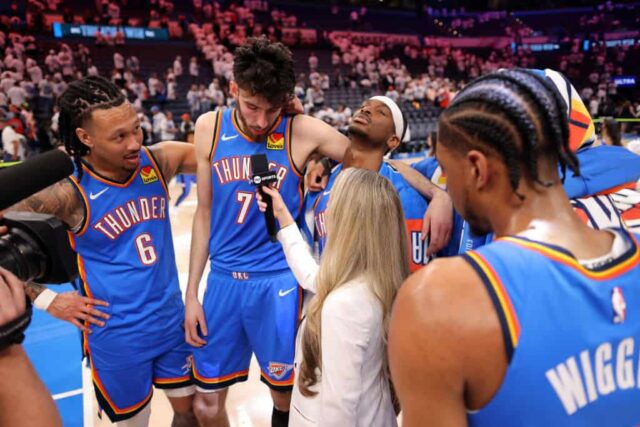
(278, 370)
(619, 305)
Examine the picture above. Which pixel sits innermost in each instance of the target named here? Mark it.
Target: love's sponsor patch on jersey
(148, 174)
(275, 141)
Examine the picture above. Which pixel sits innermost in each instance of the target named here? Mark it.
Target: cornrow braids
(76, 104)
(517, 114)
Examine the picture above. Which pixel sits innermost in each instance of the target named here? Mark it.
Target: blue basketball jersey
(239, 241)
(126, 257)
(413, 205)
(571, 335)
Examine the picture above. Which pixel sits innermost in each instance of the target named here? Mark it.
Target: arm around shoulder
(311, 135)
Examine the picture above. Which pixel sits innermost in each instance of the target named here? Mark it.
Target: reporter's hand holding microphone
(280, 210)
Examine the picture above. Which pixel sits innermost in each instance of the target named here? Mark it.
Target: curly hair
(266, 69)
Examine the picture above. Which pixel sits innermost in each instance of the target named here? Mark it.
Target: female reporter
(341, 368)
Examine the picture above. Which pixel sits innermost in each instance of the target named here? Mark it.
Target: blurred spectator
(118, 61)
(187, 128)
(313, 62)
(17, 95)
(13, 144)
(168, 130)
(177, 66)
(194, 69)
(158, 123)
(133, 63)
(193, 98)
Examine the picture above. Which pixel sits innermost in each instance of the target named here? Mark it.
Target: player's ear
(84, 137)
(478, 165)
(393, 142)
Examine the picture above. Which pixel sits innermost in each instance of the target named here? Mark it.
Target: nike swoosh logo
(98, 194)
(282, 293)
(326, 193)
(227, 138)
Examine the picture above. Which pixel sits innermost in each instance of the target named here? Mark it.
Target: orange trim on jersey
(175, 380)
(119, 411)
(503, 297)
(289, 148)
(276, 382)
(610, 273)
(629, 185)
(72, 241)
(218, 380)
(83, 276)
(155, 165)
(87, 208)
(244, 135)
(216, 135)
(108, 181)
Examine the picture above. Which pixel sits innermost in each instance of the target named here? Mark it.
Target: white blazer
(352, 390)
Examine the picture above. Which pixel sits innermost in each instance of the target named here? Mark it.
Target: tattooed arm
(60, 200)
(63, 201)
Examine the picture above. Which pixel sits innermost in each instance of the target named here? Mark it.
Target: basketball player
(252, 301)
(376, 128)
(531, 329)
(116, 206)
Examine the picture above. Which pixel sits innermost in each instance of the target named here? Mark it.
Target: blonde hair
(366, 238)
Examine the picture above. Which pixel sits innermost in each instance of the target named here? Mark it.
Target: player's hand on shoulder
(280, 210)
(294, 106)
(438, 222)
(316, 177)
(79, 310)
(194, 317)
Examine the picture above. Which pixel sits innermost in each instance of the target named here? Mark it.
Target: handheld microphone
(261, 176)
(24, 179)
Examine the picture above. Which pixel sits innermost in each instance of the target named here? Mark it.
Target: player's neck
(362, 155)
(106, 170)
(548, 216)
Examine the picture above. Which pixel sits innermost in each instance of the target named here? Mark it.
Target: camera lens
(22, 255)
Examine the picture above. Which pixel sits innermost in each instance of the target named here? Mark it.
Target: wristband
(44, 300)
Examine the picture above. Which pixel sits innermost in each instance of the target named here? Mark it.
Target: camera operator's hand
(22, 391)
(74, 308)
(280, 210)
(12, 297)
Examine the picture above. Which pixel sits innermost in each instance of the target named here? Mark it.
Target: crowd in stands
(417, 77)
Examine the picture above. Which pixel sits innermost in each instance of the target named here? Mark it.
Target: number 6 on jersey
(146, 250)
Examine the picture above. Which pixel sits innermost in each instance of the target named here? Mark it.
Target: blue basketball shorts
(248, 313)
(123, 392)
